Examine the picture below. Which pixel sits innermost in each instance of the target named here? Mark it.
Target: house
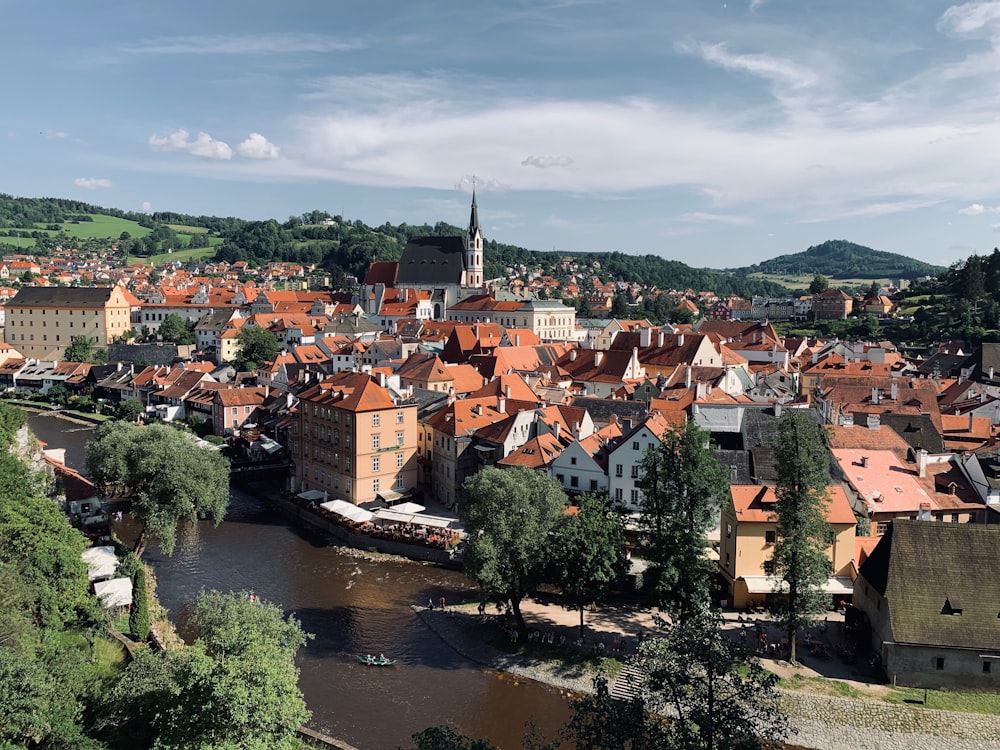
(748, 533)
(232, 408)
(833, 304)
(934, 616)
(625, 458)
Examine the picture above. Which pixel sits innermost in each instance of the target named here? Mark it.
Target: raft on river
(376, 661)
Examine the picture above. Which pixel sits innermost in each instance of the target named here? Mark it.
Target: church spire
(474, 218)
(474, 248)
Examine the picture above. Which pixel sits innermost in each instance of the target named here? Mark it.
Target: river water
(352, 607)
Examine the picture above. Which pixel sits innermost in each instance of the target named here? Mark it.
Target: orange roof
(353, 391)
(537, 453)
(755, 504)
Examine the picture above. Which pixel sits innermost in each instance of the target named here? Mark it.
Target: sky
(714, 133)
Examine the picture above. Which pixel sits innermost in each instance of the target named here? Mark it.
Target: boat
(376, 661)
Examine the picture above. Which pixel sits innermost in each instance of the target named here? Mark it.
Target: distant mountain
(840, 259)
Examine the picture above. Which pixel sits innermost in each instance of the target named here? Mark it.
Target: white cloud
(203, 146)
(977, 209)
(146, 207)
(702, 217)
(92, 183)
(755, 4)
(55, 135)
(771, 68)
(975, 19)
(257, 146)
(544, 162)
(241, 44)
(995, 227)
(468, 182)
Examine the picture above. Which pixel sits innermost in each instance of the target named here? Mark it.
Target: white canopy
(347, 510)
(416, 519)
(101, 562)
(312, 495)
(835, 586)
(114, 593)
(407, 508)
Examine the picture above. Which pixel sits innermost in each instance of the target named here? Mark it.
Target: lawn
(194, 253)
(803, 281)
(103, 226)
(947, 700)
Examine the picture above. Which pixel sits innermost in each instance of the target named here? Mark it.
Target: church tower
(474, 249)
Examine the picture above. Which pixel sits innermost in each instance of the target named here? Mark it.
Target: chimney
(645, 336)
(924, 512)
(506, 391)
(626, 426)
(687, 377)
(576, 430)
(572, 355)
(659, 339)
(598, 358)
(874, 394)
(864, 462)
(972, 418)
(991, 373)
(557, 430)
(777, 409)
(517, 339)
(894, 391)
(502, 405)
(680, 340)
(922, 463)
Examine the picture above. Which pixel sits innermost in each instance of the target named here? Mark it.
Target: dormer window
(952, 605)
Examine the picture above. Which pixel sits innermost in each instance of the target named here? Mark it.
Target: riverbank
(821, 721)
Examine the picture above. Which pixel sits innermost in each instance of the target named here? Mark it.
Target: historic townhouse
(354, 439)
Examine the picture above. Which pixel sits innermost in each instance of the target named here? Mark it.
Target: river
(352, 607)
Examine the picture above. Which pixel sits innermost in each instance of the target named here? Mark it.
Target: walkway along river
(353, 606)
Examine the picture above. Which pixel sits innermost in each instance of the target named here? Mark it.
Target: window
(572, 460)
(635, 471)
(618, 470)
(635, 445)
(986, 666)
(399, 460)
(399, 439)
(375, 442)
(770, 537)
(729, 530)
(399, 417)
(593, 485)
(375, 419)
(574, 481)
(634, 496)
(399, 483)
(376, 464)
(375, 485)
(939, 663)
(561, 479)
(619, 494)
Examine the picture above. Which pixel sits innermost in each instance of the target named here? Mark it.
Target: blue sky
(715, 133)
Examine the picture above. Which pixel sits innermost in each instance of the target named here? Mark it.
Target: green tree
(256, 346)
(445, 738)
(715, 691)
(235, 687)
(509, 516)
(799, 557)
(588, 553)
(130, 410)
(176, 330)
(819, 284)
(619, 306)
(138, 618)
(600, 722)
(80, 349)
(682, 484)
(164, 473)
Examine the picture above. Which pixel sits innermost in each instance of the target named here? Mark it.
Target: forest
(844, 260)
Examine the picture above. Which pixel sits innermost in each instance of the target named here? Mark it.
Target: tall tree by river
(164, 473)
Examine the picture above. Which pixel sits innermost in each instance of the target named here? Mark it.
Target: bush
(138, 620)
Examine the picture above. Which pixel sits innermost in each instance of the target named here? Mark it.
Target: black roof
(73, 296)
(601, 409)
(917, 430)
(432, 260)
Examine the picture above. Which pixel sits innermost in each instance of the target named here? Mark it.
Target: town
(378, 403)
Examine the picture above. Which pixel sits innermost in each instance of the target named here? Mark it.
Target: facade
(354, 440)
(625, 460)
(547, 319)
(42, 321)
(833, 304)
(748, 532)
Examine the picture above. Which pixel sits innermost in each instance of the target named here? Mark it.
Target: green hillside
(840, 259)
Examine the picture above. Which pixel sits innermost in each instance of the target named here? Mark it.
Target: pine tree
(801, 535)
(138, 618)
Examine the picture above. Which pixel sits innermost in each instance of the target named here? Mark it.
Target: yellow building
(41, 322)
(747, 535)
(354, 440)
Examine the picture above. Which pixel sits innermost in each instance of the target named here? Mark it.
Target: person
(381, 657)
(441, 603)
(430, 604)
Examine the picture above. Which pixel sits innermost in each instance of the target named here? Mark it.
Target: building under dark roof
(432, 260)
(602, 410)
(917, 430)
(73, 296)
(929, 592)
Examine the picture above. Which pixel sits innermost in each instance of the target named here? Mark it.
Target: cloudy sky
(715, 133)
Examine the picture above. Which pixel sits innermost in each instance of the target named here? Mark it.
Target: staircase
(629, 683)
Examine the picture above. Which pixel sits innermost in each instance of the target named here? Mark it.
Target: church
(440, 270)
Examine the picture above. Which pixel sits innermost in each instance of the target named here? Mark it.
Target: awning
(407, 508)
(312, 495)
(835, 586)
(270, 446)
(416, 519)
(347, 510)
(101, 562)
(390, 496)
(114, 593)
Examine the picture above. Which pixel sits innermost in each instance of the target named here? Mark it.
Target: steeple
(474, 249)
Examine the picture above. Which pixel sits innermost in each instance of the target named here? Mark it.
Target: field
(803, 281)
(194, 253)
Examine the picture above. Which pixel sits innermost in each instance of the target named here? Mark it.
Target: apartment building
(352, 438)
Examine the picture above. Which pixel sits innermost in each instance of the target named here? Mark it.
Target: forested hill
(345, 248)
(841, 259)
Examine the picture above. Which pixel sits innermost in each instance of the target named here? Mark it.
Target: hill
(840, 259)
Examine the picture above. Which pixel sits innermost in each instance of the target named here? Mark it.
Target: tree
(600, 722)
(801, 535)
(445, 738)
(176, 330)
(587, 553)
(235, 687)
(80, 349)
(509, 515)
(130, 410)
(256, 346)
(715, 691)
(681, 484)
(619, 306)
(164, 473)
(819, 284)
(138, 617)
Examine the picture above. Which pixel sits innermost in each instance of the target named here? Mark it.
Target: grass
(820, 685)
(108, 658)
(947, 700)
(194, 253)
(803, 281)
(185, 229)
